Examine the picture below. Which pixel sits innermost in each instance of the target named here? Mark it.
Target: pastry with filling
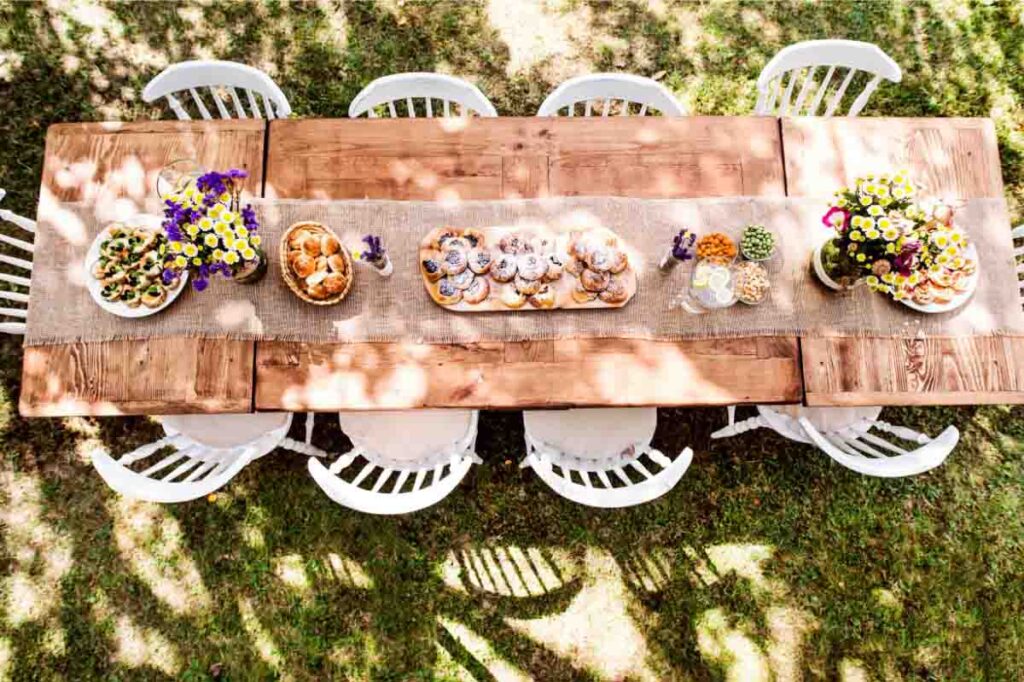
(446, 293)
(615, 292)
(454, 261)
(475, 238)
(528, 287)
(512, 298)
(463, 280)
(545, 298)
(531, 266)
(431, 266)
(554, 268)
(581, 295)
(480, 260)
(477, 292)
(594, 281)
(504, 269)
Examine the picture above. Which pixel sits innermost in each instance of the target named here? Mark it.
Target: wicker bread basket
(293, 282)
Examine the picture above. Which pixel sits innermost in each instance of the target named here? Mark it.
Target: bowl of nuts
(751, 282)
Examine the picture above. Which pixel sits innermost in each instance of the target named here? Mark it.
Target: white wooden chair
(632, 92)
(14, 310)
(845, 434)
(601, 457)
(438, 92)
(1018, 254)
(398, 452)
(183, 81)
(778, 80)
(207, 451)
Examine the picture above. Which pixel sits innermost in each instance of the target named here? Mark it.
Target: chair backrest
(819, 66)
(192, 470)
(383, 483)
(183, 82)
(572, 452)
(860, 450)
(626, 93)
(11, 279)
(436, 94)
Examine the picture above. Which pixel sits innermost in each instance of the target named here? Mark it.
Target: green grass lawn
(766, 560)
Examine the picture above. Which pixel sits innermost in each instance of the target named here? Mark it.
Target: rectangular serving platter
(545, 240)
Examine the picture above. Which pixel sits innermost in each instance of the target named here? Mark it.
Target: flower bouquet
(376, 255)
(209, 232)
(896, 246)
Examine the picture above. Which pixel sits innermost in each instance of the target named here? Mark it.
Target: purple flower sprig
(682, 245)
(374, 249)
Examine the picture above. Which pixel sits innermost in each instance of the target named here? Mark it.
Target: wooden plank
(694, 156)
(110, 162)
(327, 377)
(440, 159)
(954, 158)
(951, 157)
(158, 376)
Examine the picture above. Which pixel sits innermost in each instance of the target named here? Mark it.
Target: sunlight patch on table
(348, 572)
(263, 644)
(596, 630)
(40, 555)
(731, 647)
(482, 651)
(149, 539)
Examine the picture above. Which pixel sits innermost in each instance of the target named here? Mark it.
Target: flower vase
(829, 276)
(253, 271)
(382, 266)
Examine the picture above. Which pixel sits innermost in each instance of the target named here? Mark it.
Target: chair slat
(163, 463)
(385, 474)
(201, 471)
(20, 221)
(861, 446)
(418, 481)
(864, 96)
(17, 243)
(403, 476)
(603, 477)
(787, 96)
(587, 107)
(176, 107)
(813, 110)
(14, 312)
(643, 109)
(237, 102)
(256, 113)
(16, 262)
(882, 443)
(361, 476)
(410, 107)
(447, 108)
(430, 108)
(14, 296)
(203, 111)
(15, 279)
(391, 109)
(621, 475)
(12, 328)
(805, 90)
(838, 97)
(607, 104)
(269, 107)
(181, 470)
(223, 110)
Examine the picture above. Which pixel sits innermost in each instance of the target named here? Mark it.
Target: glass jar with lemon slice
(712, 284)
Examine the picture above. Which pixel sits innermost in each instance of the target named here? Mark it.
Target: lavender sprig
(682, 245)
(374, 249)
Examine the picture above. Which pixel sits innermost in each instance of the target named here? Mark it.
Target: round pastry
(478, 291)
(615, 292)
(504, 269)
(580, 246)
(337, 263)
(131, 298)
(329, 245)
(480, 260)
(581, 295)
(512, 298)
(454, 261)
(304, 265)
(512, 244)
(446, 235)
(111, 291)
(594, 281)
(619, 261)
(463, 280)
(321, 263)
(528, 286)
(431, 266)
(297, 237)
(311, 247)
(475, 238)
(447, 293)
(961, 282)
(600, 259)
(153, 296)
(970, 267)
(531, 266)
(457, 243)
(555, 268)
(545, 298)
(574, 266)
(317, 291)
(335, 283)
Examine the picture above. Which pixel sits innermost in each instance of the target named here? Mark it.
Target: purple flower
(249, 218)
(826, 220)
(237, 174)
(199, 284)
(168, 275)
(903, 263)
(682, 245)
(374, 250)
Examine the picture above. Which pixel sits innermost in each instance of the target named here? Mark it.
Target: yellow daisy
(230, 257)
(181, 261)
(191, 250)
(211, 240)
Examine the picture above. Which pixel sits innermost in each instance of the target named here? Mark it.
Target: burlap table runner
(398, 308)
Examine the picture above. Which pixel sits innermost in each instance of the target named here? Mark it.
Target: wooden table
(456, 159)
(500, 158)
(953, 158)
(106, 163)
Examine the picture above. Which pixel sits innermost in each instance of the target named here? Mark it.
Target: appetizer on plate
(130, 267)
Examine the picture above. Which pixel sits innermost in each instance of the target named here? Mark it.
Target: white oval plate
(958, 301)
(95, 286)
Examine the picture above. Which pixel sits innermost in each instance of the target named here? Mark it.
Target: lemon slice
(724, 296)
(719, 279)
(700, 280)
